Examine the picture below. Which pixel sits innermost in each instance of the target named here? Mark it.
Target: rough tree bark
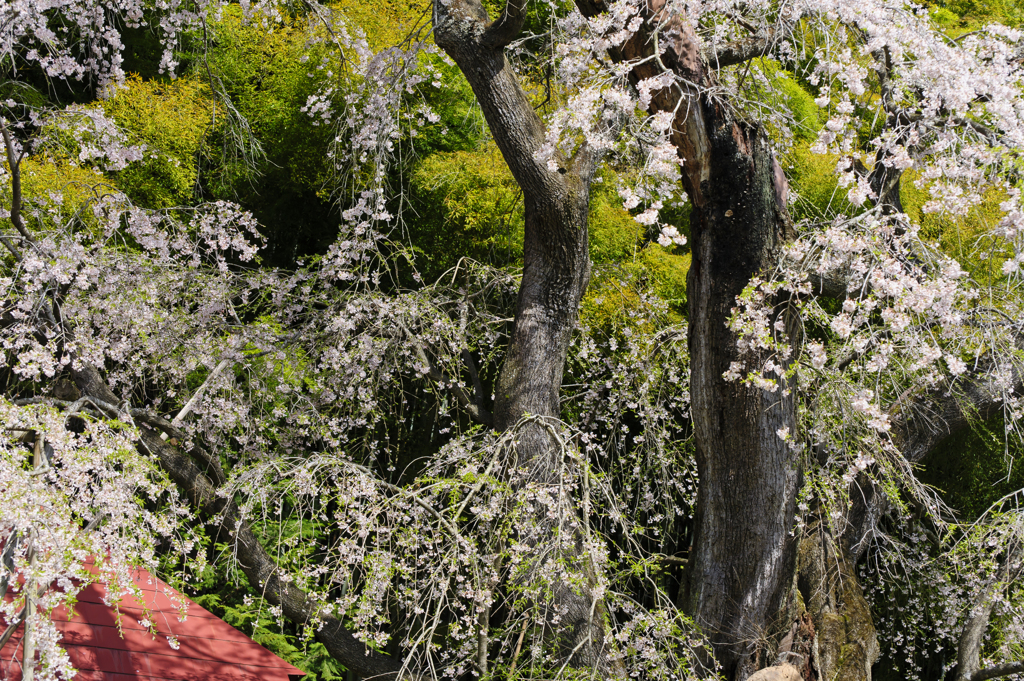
(742, 559)
(556, 270)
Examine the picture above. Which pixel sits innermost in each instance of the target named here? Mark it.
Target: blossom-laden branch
(264, 573)
(745, 49)
(998, 670)
(922, 423)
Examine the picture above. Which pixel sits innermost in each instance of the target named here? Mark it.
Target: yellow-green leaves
(171, 120)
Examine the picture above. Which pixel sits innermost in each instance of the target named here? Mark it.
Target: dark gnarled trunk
(742, 559)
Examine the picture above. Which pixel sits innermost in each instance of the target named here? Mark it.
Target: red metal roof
(209, 649)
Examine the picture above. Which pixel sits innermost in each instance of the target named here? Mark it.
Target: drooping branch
(924, 422)
(264, 573)
(260, 568)
(829, 285)
(474, 407)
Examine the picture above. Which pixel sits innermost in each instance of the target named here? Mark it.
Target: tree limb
(740, 51)
(169, 429)
(263, 571)
(996, 671)
(922, 424)
(505, 29)
(973, 636)
(14, 163)
(460, 30)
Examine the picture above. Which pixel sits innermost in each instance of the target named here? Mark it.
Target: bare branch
(264, 573)
(831, 285)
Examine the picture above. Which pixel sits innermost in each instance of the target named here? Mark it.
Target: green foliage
(944, 18)
(268, 76)
(614, 235)
(800, 102)
(972, 14)
(610, 302)
(54, 191)
(466, 204)
(975, 468)
(667, 271)
(462, 125)
(812, 177)
(385, 22)
(965, 237)
(616, 238)
(617, 303)
(171, 119)
(777, 86)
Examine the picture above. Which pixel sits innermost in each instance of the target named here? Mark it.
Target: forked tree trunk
(556, 263)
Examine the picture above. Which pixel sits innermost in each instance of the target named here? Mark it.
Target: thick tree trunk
(556, 260)
(742, 559)
(556, 271)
